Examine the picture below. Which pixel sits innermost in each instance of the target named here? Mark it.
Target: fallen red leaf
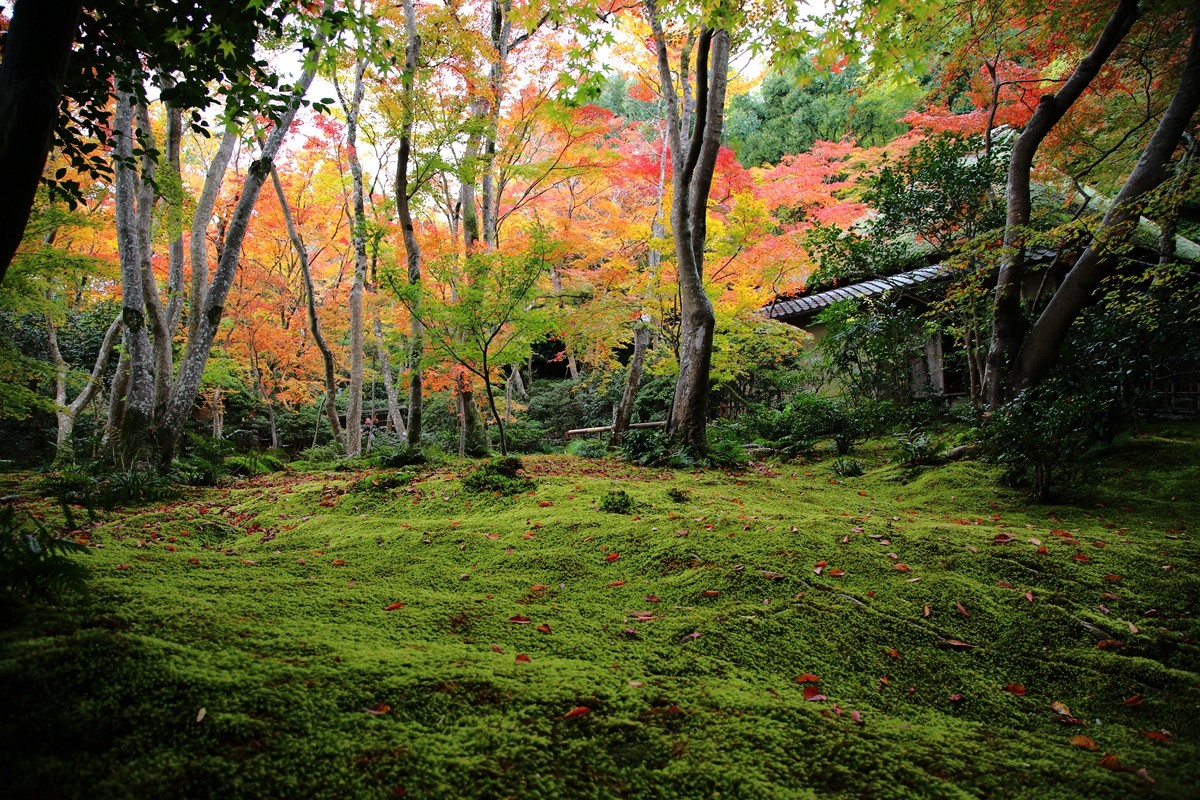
(1112, 577)
(960, 608)
(837, 573)
(807, 677)
(652, 598)
(821, 564)
(1015, 688)
(710, 593)
(903, 567)
(519, 620)
(614, 584)
(1086, 742)
(543, 628)
(121, 566)
(577, 711)
(893, 652)
(522, 658)
(1157, 736)
(538, 587)
(955, 643)
(1029, 596)
(1080, 557)
(493, 536)
(1043, 550)
(1110, 761)
(1135, 700)
(337, 562)
(193, 560)
(394, 606)
(1061, 709)
(1004, 584)
(545, 504)
(380, 708)
(1104, 643)
(612, 556)
(813, 694)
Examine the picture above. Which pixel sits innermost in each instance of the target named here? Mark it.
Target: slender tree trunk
(641, 340)
(36, 56)
(389, 380)
(412, 249)
(641, 329)
(354, 395)
(198, 238)
(1041, 346)
(1008, 321)
(67, 412)
(195, 355)
(314, 322)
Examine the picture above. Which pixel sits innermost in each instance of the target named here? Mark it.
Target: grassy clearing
(238, 643)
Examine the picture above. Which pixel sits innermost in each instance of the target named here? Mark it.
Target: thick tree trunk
(1008, 320)
(1042, 345)
(314, 322)
(156, 313)
(692, 180)
(36, 56)
(138, 416)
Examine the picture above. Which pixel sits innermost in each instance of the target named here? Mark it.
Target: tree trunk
(314, 322)
(621, 420)
(692, 180)
(1041, 347)
(37, 53)
(354, 391)
(195, 355)
(135, 435)
(1008, 320)
(412, 249)
(389, 380)
(66, 413)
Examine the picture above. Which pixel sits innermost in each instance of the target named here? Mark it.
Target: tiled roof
(801, 308)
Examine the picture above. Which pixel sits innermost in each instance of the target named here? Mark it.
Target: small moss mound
(499, 476)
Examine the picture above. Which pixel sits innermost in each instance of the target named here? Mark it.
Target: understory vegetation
(579, 626)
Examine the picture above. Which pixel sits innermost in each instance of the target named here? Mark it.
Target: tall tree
(691, 181)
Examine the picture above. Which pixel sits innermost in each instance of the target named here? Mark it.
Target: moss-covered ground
(776, 633)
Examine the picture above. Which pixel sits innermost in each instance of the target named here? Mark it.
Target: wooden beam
(659, 424)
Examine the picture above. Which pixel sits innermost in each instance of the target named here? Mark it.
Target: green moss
(680, 626)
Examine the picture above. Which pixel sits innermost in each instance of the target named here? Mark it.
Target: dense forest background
(478, 225)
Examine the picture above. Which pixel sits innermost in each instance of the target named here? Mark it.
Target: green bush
(919, 447)
(35, 564)
(645, 446)
(1046, 438)
(847, 467)
(502, 475)
(255, 462)
(203, 460)
(528, 436)
(587, 448)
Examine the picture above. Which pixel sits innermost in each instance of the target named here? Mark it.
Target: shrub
(587, 448)
(618, 502)
(847, 467)
(645, 446)
(35, 564)
(254, 463)
(501, 475)
(528, 436)
(397, 456)
(1044, 437)
(919, 447)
